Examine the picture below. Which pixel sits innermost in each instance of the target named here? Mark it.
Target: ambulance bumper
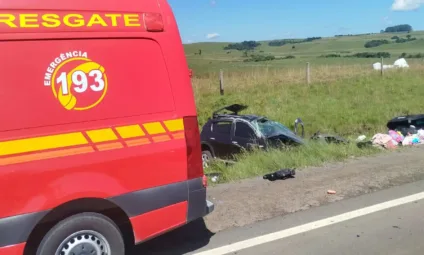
(209, 207)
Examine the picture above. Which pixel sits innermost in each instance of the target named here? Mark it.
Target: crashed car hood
(289, 135)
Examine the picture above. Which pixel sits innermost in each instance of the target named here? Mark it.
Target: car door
(243, 137)
(220, 138)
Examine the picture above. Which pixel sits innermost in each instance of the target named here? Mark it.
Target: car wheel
(206, 158)
(85, 233)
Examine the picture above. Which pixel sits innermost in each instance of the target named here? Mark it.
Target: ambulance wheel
(85, 233)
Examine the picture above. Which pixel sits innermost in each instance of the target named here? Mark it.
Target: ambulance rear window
(51, 82)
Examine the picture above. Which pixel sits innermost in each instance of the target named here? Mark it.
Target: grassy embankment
(346, 97)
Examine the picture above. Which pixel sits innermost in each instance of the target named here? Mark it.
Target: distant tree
(408, 38)
(399, 28)
(310, 39)
(395, 37)
(245, 45)
(417, 55)
(200, 52)
(401, 40)
(283, 42)
(293, 47)
(375, 43)
(333, 55)
(260, 58)
(370, 55)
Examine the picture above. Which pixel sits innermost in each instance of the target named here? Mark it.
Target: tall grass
(312, 154)
(344, 100)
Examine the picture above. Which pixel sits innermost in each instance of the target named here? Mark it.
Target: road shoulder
(248, 201)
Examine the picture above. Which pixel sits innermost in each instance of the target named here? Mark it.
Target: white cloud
(406, 5)
(387, 20)
(213, 2)
(189, 41)
(212, 36)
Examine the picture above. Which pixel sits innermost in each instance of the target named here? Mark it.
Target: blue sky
(238, 20)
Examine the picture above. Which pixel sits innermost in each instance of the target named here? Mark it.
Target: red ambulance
(99, 139)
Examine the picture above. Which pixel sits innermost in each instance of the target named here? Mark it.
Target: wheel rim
(84, 242)
(205, 160)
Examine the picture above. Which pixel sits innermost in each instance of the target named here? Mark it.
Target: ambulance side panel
(123, 141)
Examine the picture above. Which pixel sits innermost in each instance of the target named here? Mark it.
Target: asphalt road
(387, 223)
(399, 230)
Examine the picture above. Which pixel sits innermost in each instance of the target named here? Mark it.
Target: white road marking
(311, 226)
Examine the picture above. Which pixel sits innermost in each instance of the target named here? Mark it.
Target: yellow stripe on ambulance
(71, 20)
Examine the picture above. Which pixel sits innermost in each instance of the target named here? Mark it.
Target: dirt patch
(248, 201)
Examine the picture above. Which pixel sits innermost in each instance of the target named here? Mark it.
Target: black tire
(87, 223)
(208, 155)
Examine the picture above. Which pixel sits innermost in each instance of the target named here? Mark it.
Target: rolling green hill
(214, 57)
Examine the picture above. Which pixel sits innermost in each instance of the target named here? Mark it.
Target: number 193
(80, 81)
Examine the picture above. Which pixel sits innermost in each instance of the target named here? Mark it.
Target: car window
(222, 127)
(270, 128)
(244, 131)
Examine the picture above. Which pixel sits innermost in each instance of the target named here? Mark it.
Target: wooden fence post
(221, 82)
(382, 67)
(308, 73)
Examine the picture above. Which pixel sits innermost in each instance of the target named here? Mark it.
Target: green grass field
(346, 97)
(214, 57)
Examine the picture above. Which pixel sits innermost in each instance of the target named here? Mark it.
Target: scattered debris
(331, 192)
(329, 138)
(384, 141)
(296, 123)
(405, 124)
(214, 176)
(420, 134)
(407, 130)
(403, 131)
(361, 138)
(364, 144)
(396, 135)
(281, 174)
(361, 143)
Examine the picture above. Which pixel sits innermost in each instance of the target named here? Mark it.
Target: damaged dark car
(406, 124)
(227, 134)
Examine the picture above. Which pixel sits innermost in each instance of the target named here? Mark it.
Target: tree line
(282, 42)
(355, 34)
(359, 55)
(243, 46)
(251, 45)
(396, 39)
(398, 28)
